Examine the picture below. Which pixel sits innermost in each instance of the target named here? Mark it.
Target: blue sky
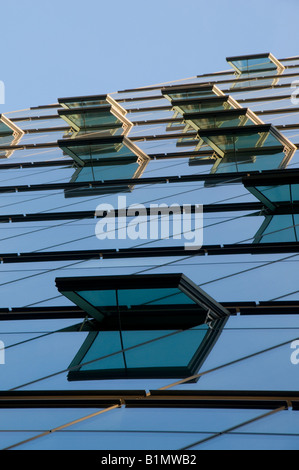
(64, 48)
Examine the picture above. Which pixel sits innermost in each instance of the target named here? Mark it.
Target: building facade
(149, 266)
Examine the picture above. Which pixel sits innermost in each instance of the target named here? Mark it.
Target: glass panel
(92, 120)
(241, 161)
(164, 354)
(39, 419)
(99, 298)
(174, 351)
(175, 93)
(83, 102)
(274, 193)
(220, 120)
(8, 439)
(194, 420)
(277, 228)
(106, 172)
(254, 63)
(250, 442)
(4, 128)
(105, 343)
(215, 104)
(166, 296)
(67, 440)
(91, 152)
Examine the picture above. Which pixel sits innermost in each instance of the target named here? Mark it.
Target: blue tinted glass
(295, 192)
(39, 419)
(113, 441)
(235, 441)
(105, 343)
(172, 351)
(5, 129)
(153, 297)
(276, 193)
(99, 298)
(168, 419)
(92, 120)
(8, 439)
(279, 229)
(247, 162)
(105, 172)
(254, 64)
(98, 151)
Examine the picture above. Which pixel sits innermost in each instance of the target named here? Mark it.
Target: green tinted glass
(139, 353)
(106, 172)
(278, 228)
(129, 297)
(249, 161)
(200, 106)
(92, 120)
(92, 152)
(254, 63)
(221, 121)
(5, 130)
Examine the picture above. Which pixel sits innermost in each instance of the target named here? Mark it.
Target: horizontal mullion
(78, 215)
(62, 312)
(156, 398)
(271, 175)
(122, 253)
(156, 156)
(133, 139)
(170, 107)
(215, 74)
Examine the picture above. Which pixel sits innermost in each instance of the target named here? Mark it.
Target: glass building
(149, 266)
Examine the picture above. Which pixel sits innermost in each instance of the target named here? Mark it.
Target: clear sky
(65, 48)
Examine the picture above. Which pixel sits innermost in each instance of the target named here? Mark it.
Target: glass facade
(149, 252)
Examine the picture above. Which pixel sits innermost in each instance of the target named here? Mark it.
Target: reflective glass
(255, 63)
(276, 194)
(235, 441)
(244, 161)
(92, 120)
(68, 440)
(100, 100)
(278, 228)
(219, 121)
(91, 151)
(151, 353)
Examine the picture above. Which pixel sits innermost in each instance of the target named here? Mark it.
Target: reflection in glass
(196, 90)
(99, 113)
(164, 326)
(255, 63)
(104, 159)
(249, 147)
(10, 134)
(278, 228)
(251, 66)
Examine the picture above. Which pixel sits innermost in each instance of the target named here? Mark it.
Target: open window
(185, 93)
(10, 134)
(256, 63)
(146, 326)
(104, 159)
(250, 67)
(281, 202)
(99, 113)
(248, 148)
